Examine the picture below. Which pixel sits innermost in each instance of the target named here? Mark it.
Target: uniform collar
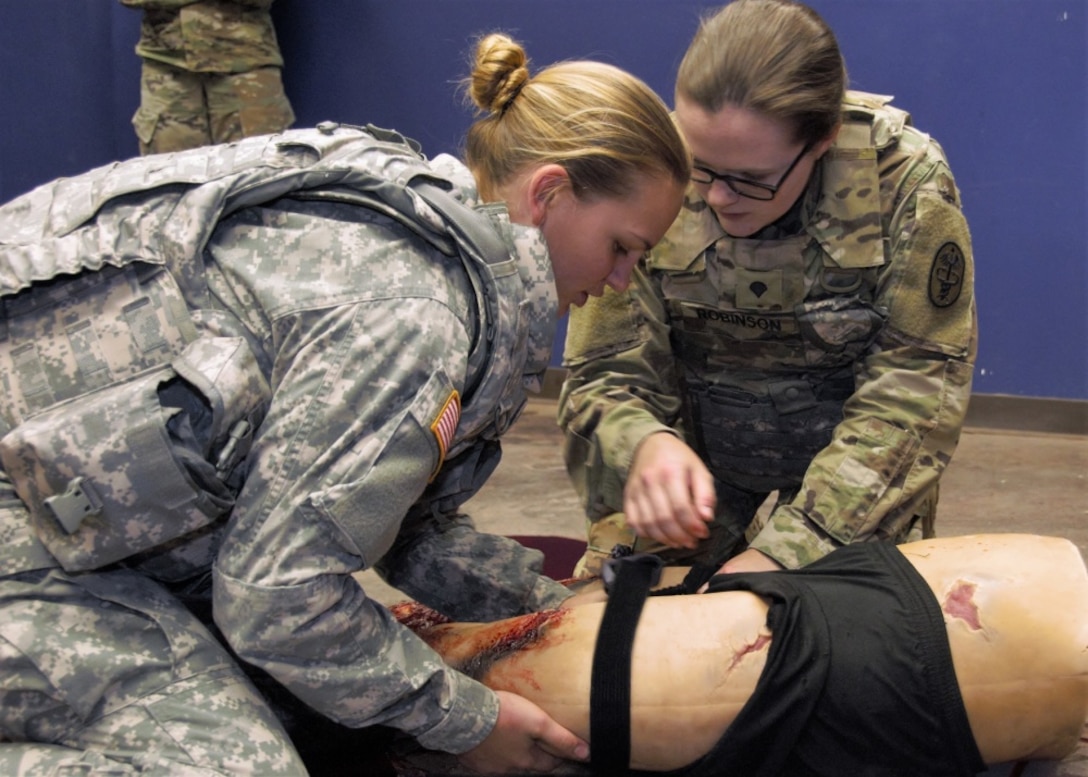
(694, 231)
(844, 213)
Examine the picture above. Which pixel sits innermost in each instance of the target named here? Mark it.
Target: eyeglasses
(752, 189)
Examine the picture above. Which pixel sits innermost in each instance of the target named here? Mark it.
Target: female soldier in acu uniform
(806, 327)
(251, 371)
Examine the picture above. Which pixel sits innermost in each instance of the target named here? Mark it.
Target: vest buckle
(79, 501)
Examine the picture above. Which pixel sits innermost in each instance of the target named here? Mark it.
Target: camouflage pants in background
(107, 673)
(181, 110)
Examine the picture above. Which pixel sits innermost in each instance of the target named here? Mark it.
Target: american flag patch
(445, 425)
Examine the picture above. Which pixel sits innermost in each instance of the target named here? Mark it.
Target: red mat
(560, 553)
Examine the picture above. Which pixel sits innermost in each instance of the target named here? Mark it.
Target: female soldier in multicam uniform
(251, 371)
(806, 327)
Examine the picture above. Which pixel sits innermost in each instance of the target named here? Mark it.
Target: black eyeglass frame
(731, 180)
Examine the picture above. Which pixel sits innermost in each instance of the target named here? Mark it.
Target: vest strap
(463, 221)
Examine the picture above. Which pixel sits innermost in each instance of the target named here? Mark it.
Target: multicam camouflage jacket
(208, 36)
(832, 360)
(283, 360)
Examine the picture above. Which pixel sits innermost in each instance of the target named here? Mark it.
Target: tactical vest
(102, 289)
(766, 332)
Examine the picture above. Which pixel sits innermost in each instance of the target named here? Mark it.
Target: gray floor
(999, 481)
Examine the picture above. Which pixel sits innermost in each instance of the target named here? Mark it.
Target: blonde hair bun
(500, 70)
(601, 124)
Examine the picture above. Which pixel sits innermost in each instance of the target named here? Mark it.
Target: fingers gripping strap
(610, 692)
(728, 544)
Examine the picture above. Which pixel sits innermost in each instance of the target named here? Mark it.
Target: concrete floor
(998, 481)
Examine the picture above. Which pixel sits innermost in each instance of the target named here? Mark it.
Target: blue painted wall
(1002, 84)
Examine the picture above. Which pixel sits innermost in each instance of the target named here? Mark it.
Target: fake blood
(959, 603)
(760, 642)
(481, 646)
(510, 637)
(418, 617)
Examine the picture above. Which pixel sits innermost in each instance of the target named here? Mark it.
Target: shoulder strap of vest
(464, 223)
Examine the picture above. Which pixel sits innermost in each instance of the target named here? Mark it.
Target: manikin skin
(1015, 607)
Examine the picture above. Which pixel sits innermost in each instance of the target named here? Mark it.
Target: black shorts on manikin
(859, 678)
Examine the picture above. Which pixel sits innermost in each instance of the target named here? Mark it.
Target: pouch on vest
(766, 442)
(104, 477)
(840, 325)
(75, 334)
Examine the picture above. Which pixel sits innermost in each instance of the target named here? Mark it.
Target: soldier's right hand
(669, 496)
(525, 740)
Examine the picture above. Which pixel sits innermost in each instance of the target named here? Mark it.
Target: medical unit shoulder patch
(946, 275)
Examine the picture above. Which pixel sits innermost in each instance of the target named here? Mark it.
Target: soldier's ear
(544, 183)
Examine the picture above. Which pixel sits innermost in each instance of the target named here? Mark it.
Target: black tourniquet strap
(628, 581)
(725, 547)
